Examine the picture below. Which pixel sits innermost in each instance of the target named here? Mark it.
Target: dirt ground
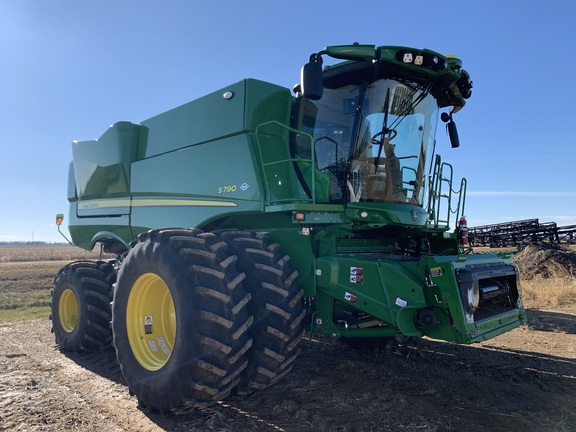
(524, 380)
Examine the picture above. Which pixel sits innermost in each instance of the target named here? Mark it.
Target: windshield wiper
(389, 132)
(410, 107)
(384, 132)
(358, 120)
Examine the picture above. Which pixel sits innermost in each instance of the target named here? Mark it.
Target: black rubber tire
(88, 327)
(210, 318)
(276, 305)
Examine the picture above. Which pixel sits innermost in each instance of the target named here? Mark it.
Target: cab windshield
(371, 141)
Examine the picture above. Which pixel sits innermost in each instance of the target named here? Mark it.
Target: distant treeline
(30, 243)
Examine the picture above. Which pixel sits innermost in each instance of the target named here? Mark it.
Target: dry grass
(548, 275)
(552, 293)
(49, 252)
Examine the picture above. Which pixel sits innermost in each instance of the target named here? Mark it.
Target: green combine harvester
(242, 219)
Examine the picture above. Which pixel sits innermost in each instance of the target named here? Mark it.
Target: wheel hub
(68, 310)
(151, 321)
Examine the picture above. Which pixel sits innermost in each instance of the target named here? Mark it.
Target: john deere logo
(415, 215)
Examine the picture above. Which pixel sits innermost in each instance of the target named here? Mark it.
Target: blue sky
(71, 68)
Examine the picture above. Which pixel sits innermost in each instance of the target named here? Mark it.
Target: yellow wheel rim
(151, 321)
(68, 310)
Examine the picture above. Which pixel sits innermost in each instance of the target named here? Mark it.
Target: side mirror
(311, 79)
(453, 134)
(452, 131)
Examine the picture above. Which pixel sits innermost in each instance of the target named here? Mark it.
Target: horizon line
(534, 194)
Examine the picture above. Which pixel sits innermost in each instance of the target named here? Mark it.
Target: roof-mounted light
(424, 59)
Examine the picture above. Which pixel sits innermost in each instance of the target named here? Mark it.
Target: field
(27, 274)
(524, 380)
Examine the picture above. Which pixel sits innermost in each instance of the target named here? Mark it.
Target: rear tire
(276, 306)
(81, 307)
(180, 320)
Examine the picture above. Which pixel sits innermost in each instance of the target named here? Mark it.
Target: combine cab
(243, 218)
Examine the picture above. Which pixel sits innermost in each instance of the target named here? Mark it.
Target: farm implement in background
(521, 233)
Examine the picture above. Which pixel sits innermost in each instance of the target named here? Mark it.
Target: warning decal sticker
(356, 275)
(350, 297)
(436, 271)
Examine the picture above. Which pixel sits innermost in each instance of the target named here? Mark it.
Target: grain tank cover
(102, 166)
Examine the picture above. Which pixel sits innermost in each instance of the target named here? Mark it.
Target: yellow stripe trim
(91, 205)
(175, 202)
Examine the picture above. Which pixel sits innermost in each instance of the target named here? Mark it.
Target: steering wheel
(392, 132)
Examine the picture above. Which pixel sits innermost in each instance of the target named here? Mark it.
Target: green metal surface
(102, 167)
(341, 183)
(349, 52)
(394, 291)
(378, 213)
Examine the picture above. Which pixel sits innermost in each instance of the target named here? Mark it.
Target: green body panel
(444, 289)
(202, 120)
(378, 213)
(197, 184)
(395, 290)
(86, 231)
(102, 167)
(248, 157)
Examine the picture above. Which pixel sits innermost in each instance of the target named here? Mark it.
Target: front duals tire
(180, 319)
(276, 305)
